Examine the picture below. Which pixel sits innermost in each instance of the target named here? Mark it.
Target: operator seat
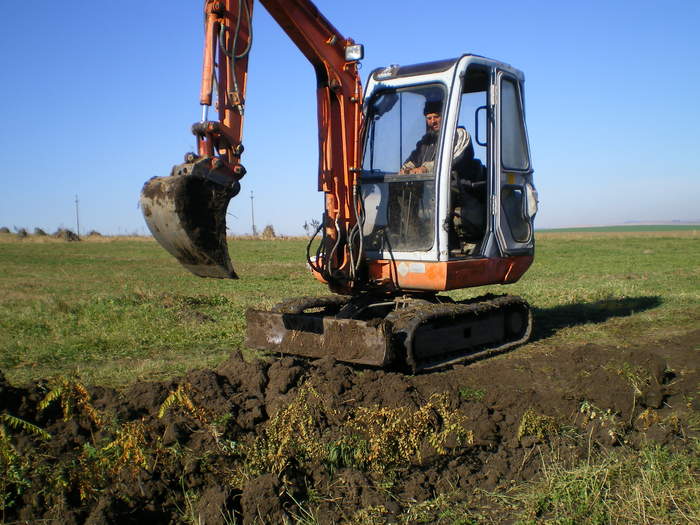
(468, 219)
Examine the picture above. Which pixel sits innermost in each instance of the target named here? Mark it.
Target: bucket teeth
(186, 213)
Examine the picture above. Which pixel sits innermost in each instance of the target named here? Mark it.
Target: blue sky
(98, 97)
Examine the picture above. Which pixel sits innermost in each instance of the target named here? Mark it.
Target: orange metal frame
(451, 275)
(339, 96)
(222, 138)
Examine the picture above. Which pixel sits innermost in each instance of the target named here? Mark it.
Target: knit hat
(432, 106)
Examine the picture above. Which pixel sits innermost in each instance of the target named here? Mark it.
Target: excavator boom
(186, 211)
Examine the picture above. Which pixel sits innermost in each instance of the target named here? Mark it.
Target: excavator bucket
(186, 213)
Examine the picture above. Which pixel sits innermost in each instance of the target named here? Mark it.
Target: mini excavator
(428, 187)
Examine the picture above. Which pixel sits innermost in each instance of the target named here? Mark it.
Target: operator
(422, 159)
(467, 180)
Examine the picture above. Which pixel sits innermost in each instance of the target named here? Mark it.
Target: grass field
(113, 311)
(628, 228)
(122, 309)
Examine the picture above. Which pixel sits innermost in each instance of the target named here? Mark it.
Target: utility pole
(77, 216)
(252, 213)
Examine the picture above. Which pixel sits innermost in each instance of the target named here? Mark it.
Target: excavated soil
(515, 405)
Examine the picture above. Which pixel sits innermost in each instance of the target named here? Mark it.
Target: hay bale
(268, 232)
(39, 232)
(66, 235)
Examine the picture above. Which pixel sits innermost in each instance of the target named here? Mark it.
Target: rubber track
(406, 321)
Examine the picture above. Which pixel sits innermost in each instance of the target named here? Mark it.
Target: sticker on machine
(405, 268)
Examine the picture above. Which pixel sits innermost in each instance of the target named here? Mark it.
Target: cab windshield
(401, 147)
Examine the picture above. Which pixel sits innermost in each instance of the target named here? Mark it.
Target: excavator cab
(456, 192)
(447, 201)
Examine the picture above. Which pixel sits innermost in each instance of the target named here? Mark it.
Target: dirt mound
(251, 441)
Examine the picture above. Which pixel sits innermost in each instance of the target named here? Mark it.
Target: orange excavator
(428, 187)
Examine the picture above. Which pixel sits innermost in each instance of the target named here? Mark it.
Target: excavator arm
(186, 211)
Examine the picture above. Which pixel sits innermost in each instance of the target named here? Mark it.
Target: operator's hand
(412, 171)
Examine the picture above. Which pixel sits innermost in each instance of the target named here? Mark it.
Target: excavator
(428, 187)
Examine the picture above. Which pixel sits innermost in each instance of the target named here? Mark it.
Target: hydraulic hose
(242, 5)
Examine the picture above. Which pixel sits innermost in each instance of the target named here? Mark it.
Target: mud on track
(147, 453)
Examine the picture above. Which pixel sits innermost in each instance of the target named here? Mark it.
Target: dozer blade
(306, 335)
(186, 213)
(289, 329)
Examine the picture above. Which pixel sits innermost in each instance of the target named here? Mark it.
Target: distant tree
(39, 232)
(4, 229)
(310, 227)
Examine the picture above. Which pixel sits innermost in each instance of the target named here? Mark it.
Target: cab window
(513, 141)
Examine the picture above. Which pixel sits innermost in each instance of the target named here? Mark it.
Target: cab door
(513, 199)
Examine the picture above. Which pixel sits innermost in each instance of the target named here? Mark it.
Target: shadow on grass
(547, 321)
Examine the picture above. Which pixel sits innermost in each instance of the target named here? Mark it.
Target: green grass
(118, 310)
(650, 486)
(600, 287)
(630, 228)
(653, 485)
(125, 309)
(471, 394)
